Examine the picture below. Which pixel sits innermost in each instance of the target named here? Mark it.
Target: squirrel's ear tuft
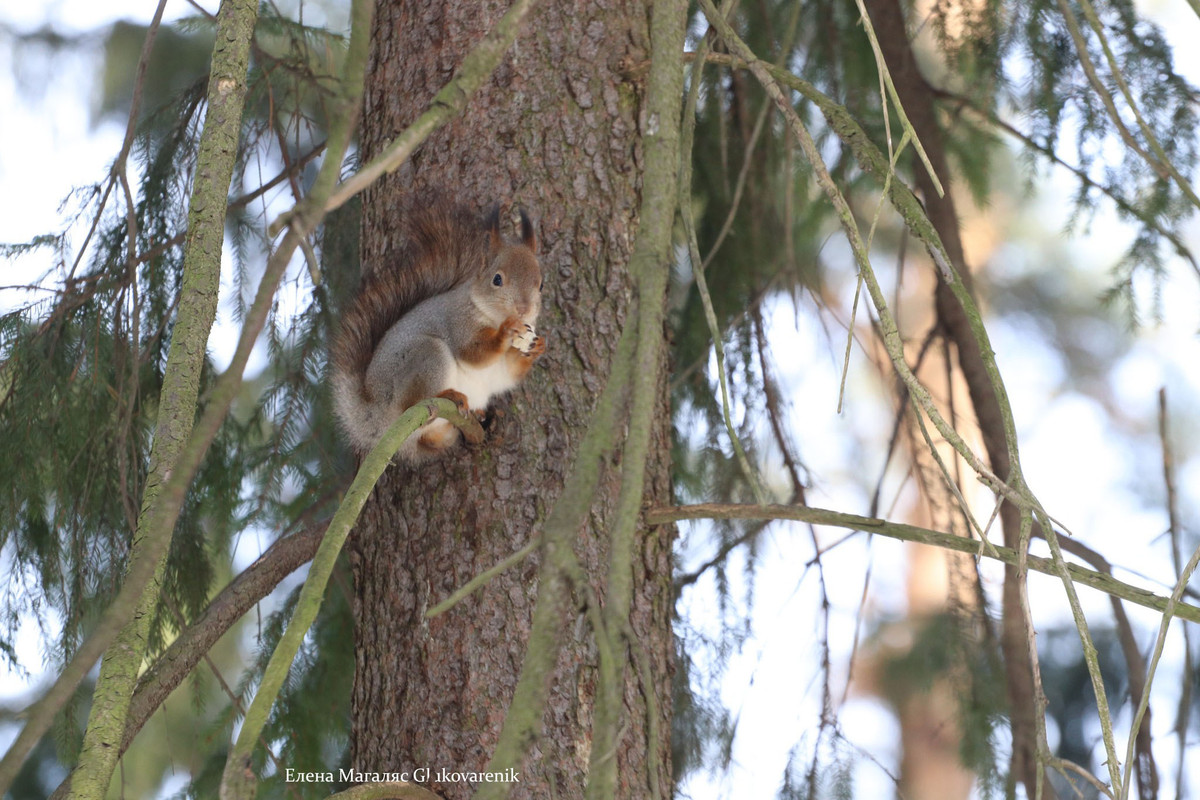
(492, 221)
(528, 237)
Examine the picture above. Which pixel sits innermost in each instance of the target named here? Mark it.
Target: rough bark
(917, 99)
(557, 131)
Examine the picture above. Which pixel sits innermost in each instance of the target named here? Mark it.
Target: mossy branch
(885, 75)
(650, 267)
(238, 781)
(241, 594)
(1132, 763)
(482, 579)
(215, 159)
(523, 722)
(906, 203)
(1012, 486)
(911, 533)
(395, 790)
(161, 515)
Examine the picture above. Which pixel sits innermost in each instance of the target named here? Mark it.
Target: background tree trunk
(556, 131)
(916, 95)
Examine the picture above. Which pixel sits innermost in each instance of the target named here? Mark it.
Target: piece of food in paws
(524, 340)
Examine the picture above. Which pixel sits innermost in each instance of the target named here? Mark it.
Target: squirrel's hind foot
(458, 398)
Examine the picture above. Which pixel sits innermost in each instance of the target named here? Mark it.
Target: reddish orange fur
(491, 343)
(434, 440)
(458, 398)
(520, 363)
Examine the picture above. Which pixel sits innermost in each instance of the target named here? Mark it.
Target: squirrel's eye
(497, 279)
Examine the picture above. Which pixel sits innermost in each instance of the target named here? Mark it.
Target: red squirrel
(451, 316)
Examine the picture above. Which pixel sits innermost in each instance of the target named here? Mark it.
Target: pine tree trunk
(557, 132)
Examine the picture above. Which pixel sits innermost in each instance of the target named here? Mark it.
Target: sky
(50, 143)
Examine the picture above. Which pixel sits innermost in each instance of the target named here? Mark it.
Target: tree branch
(135, 105)
(961, 102)
(476, 68)
(254, 583)
(699, 265)
(238, 780)
(910, 533)
(396, 790)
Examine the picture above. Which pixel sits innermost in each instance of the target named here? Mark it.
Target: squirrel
(453, 316)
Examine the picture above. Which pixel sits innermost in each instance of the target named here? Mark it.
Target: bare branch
(911, 533)
(1184, 712)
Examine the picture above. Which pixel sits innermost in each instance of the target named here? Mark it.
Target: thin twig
(1042, 750)
(1086, 180)
(1089, 12)
(238, 780)
(902, 406)
(1170, 611)
(234, 700)
(482, 579)
(1106, 98)
(1184, 711)
(740, 185)
(135, 104)
(881, 65)
(1064, 766)
(229, 66)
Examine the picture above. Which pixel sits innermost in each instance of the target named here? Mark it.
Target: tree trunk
(556, 131)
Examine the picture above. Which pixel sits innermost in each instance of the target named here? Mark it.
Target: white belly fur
(480, 384)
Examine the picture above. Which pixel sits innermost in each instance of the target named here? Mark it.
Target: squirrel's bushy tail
(356, 415)
(442, 247)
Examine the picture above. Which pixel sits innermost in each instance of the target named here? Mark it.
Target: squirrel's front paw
(511, 330)
(526, 339)
(536, 347)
